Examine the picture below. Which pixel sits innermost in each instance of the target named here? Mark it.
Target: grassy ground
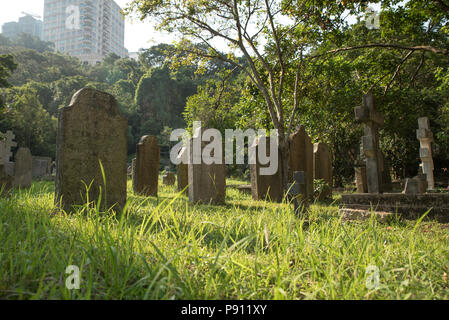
(166, 248)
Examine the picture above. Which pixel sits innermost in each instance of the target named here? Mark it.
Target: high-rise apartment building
(26, 24)
(87, 29)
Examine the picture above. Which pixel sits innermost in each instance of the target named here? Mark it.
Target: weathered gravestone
(23, 169)
(146, 172)
(6, 144)
(360, 179)
(263, 186)
(297, 191)
(416, 185)
(92, 140)
(322, 166)
(360, 172)
(183, 170)
(372, 120)
(5, 181)
(425, 138)
(301, 157)
(41, 167)
(207, 182)
(169, 178)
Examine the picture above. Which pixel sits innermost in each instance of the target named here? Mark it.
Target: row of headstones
(19, 174)
(373, 176)
(207, 182)
(313, 160)
(91, 157)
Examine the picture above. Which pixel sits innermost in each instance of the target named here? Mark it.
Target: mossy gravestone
(23, 169)
(92, 140)
(265, 187)
(146, 172)
(301, 157)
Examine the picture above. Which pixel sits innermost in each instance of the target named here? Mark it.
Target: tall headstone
(92, 140)
(183, 170)
(372, 120)
(425, 138)
(146, 173)
(301, 157)
(6, 144)
(23, 171)
(322, 166)
(41, 167)
(207, 182)
(265, 187)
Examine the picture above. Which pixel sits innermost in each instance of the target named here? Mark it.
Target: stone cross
(6, 143)
(297, 191)
(425, 138)
(372, 120)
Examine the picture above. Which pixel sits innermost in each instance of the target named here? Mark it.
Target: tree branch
(384, 45)
(398, 68)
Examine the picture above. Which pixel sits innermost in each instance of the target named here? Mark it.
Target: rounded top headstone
(95, 98)
(148, 139)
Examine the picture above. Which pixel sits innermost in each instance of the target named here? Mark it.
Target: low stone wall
(409, 206)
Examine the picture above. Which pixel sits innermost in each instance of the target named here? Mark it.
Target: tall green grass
(167, 248)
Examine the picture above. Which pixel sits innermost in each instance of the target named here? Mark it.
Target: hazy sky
(137, 34)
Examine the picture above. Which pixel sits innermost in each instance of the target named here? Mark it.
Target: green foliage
(216, 103)
(161, 100)
(25, 40)
(7, 66)
(34, 127)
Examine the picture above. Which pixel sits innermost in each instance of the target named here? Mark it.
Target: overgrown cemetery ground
(167, 248)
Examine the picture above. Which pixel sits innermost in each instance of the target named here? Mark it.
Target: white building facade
(86, 29)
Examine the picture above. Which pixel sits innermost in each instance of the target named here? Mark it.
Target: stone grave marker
(168, 178)
(372, 120)
(265, 187)
(360, 179)
(425, 138)
(297, 191)
(301, 157)
(41, 167)
(92, 140)
(5, 181)
(322, 166)
(6, 144)
(23, 168)
(207, 182)
(146, 172)
(183, 170)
